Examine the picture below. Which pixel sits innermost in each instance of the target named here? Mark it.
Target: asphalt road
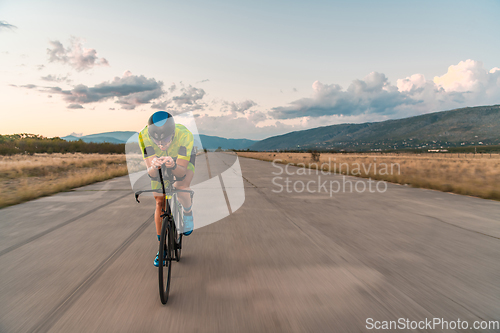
(82, 261)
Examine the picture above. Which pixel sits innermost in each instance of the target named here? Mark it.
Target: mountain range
(459, 127)
(207, 141)
(111, 137)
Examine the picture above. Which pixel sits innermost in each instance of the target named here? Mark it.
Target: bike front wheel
(165, 258)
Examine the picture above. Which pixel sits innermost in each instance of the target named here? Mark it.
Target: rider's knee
(160, 201)
(183, 185)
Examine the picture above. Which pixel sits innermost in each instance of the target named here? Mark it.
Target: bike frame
(170, 191)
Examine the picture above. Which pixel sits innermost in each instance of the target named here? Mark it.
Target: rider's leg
(185, 198)
(160, 205)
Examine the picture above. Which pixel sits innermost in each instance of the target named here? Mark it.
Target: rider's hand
(168, 161)
(157, 162)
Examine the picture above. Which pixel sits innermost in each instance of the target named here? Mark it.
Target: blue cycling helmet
(161, 127)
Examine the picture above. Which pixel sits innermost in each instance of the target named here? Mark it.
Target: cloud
(465, 76)
(75, 106)
(466, 83)
(373, 94)
(257, 117)
(160, 105)
(203, 81)
(469, 83)
(75, 55)
(189, 96)
(257, 125)
(411, 83)
(239, 107)
(188, 99)
(55, 78)
(6, 26)
(233, 126)
(27, 86)
(132, 100)
(77, 134)
(129, 91)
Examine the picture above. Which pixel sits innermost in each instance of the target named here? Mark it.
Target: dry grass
(24, 177)
(476, 175)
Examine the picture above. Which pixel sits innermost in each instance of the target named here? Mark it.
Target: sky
(249, 69)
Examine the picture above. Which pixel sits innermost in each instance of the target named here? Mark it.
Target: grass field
(25, 177)
(469, 174)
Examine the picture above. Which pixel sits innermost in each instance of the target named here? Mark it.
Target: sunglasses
(163, 142)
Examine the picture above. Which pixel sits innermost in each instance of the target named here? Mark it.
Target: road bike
(171, 229)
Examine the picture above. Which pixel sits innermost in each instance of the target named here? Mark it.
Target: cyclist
(163, 142)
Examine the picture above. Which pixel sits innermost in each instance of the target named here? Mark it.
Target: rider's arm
(148, 153)
(184, 154)
(152, 169)
(181, 169)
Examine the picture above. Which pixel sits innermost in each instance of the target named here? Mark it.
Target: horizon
(299, 66)
(77, 135)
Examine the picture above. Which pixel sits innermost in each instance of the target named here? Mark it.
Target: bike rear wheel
(165, 258)
(179, 248)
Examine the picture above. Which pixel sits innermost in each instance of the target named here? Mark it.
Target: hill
(110, 137)
(214, 142)
(466, 126)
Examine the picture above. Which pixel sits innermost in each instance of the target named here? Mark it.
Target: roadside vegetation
(469, 174)
(35, 144)
(25, 177)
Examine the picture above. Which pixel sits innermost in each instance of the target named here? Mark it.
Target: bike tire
(165, 256)
(179, 248)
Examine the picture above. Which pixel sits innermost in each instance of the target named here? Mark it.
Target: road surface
(82, 261)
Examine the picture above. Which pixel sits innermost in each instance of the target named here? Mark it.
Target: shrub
(315, 156)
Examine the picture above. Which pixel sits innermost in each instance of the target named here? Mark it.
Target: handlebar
(171, 178)
(138, 193)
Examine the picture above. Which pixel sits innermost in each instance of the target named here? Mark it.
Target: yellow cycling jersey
(180, 148)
